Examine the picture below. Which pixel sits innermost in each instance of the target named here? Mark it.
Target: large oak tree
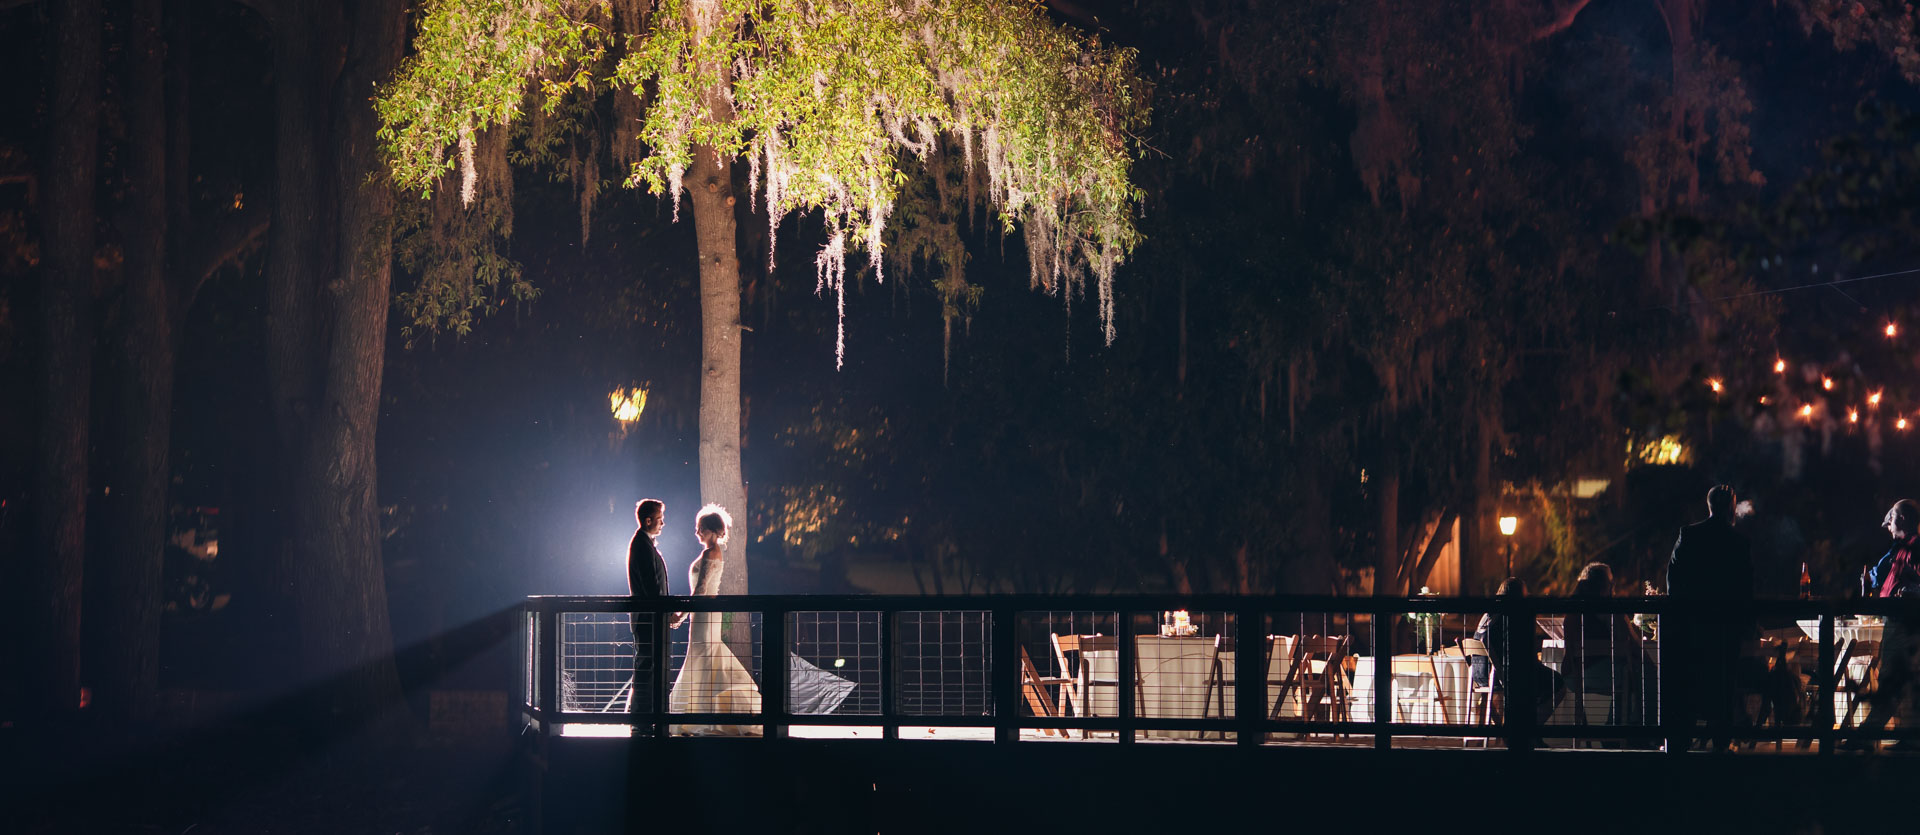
(823, 102)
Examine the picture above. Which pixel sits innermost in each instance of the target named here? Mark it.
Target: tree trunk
(54, 569)
(136, 513)
(710, 189)
(329, 276)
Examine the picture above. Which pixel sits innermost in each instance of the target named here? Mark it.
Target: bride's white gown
(712, 679)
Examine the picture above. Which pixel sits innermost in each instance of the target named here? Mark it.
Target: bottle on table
(1806, 583)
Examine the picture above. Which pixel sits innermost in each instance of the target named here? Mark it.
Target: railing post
(1382, 675)
(1522, 702)
(889, 716)
(662, 665)
(773, 672)
(1249, 674)
(549, 667)
(1124, 674)
(1823, 712)
(1005, 669)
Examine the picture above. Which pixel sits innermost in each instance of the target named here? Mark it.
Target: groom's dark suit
(646, 578)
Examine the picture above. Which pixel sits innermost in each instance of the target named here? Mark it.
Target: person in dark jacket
(1712, 563)
(1897, 574)
(646, 578)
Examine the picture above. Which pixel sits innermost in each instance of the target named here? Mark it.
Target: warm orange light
(1853, 415)
(1806, 411)
(1779, 366)
(1764, 400)
(1873, 399)
(1892, 330)
(1900, 424)
(1508, 524)
(1714, 384)
(1826, 383)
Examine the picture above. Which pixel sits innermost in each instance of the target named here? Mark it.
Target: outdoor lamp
(1508, 524)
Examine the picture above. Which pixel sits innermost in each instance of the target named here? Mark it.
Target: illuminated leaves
(823, 101)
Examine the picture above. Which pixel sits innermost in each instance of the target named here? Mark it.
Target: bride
(712, 679)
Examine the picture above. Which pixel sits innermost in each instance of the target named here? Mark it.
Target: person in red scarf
(1896, 575)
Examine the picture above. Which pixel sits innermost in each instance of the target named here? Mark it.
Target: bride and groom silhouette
(712, 679)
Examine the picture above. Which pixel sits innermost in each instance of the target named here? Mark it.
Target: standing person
(1712, 563)
(1897, 574)
(646, 579)
(712, 680)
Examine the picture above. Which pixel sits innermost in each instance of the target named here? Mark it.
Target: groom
(646, 578)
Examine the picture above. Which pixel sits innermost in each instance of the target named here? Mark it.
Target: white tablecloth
(1175, 674)
(1414, 689)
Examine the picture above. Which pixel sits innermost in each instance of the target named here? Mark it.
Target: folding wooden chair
(1318, 673)
(1077, 693)
(1034, 687)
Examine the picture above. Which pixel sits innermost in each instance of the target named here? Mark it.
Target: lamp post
(1508, 524)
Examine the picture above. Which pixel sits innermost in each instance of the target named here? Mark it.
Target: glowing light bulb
(1806, 411)
(1779, 366)
(1826, 383)
(1714, 383)
(1892, 330)
(1873, 399)
(1900, 424)
(1508, 524)
(1853, 415)
(1764, 400)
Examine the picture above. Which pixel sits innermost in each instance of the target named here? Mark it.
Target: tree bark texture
(127, 677)
(53, 575)
(710, 189)
(329, 278)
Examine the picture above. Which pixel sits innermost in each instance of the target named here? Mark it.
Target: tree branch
(231, 240)
(1561, 20)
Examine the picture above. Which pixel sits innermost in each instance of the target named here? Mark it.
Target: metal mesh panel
(845, 645)
(596, 662)
(944, 666)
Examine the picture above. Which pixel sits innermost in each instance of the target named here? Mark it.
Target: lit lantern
(1508, 524)
(627, 404)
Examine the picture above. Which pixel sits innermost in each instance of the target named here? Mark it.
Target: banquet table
(1415, 692)
(1178, 677)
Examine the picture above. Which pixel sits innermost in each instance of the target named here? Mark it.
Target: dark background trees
(1401, 266)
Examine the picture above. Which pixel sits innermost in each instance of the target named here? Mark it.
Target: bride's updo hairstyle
(713, 519)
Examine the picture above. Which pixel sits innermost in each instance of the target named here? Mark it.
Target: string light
(1900, 424)
(1892, 330)
(1826, 383)
(1853, 415)
(1779, 366)
(1873, 400)
(1764, 400)
(1714, 383)
(1806, 411)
